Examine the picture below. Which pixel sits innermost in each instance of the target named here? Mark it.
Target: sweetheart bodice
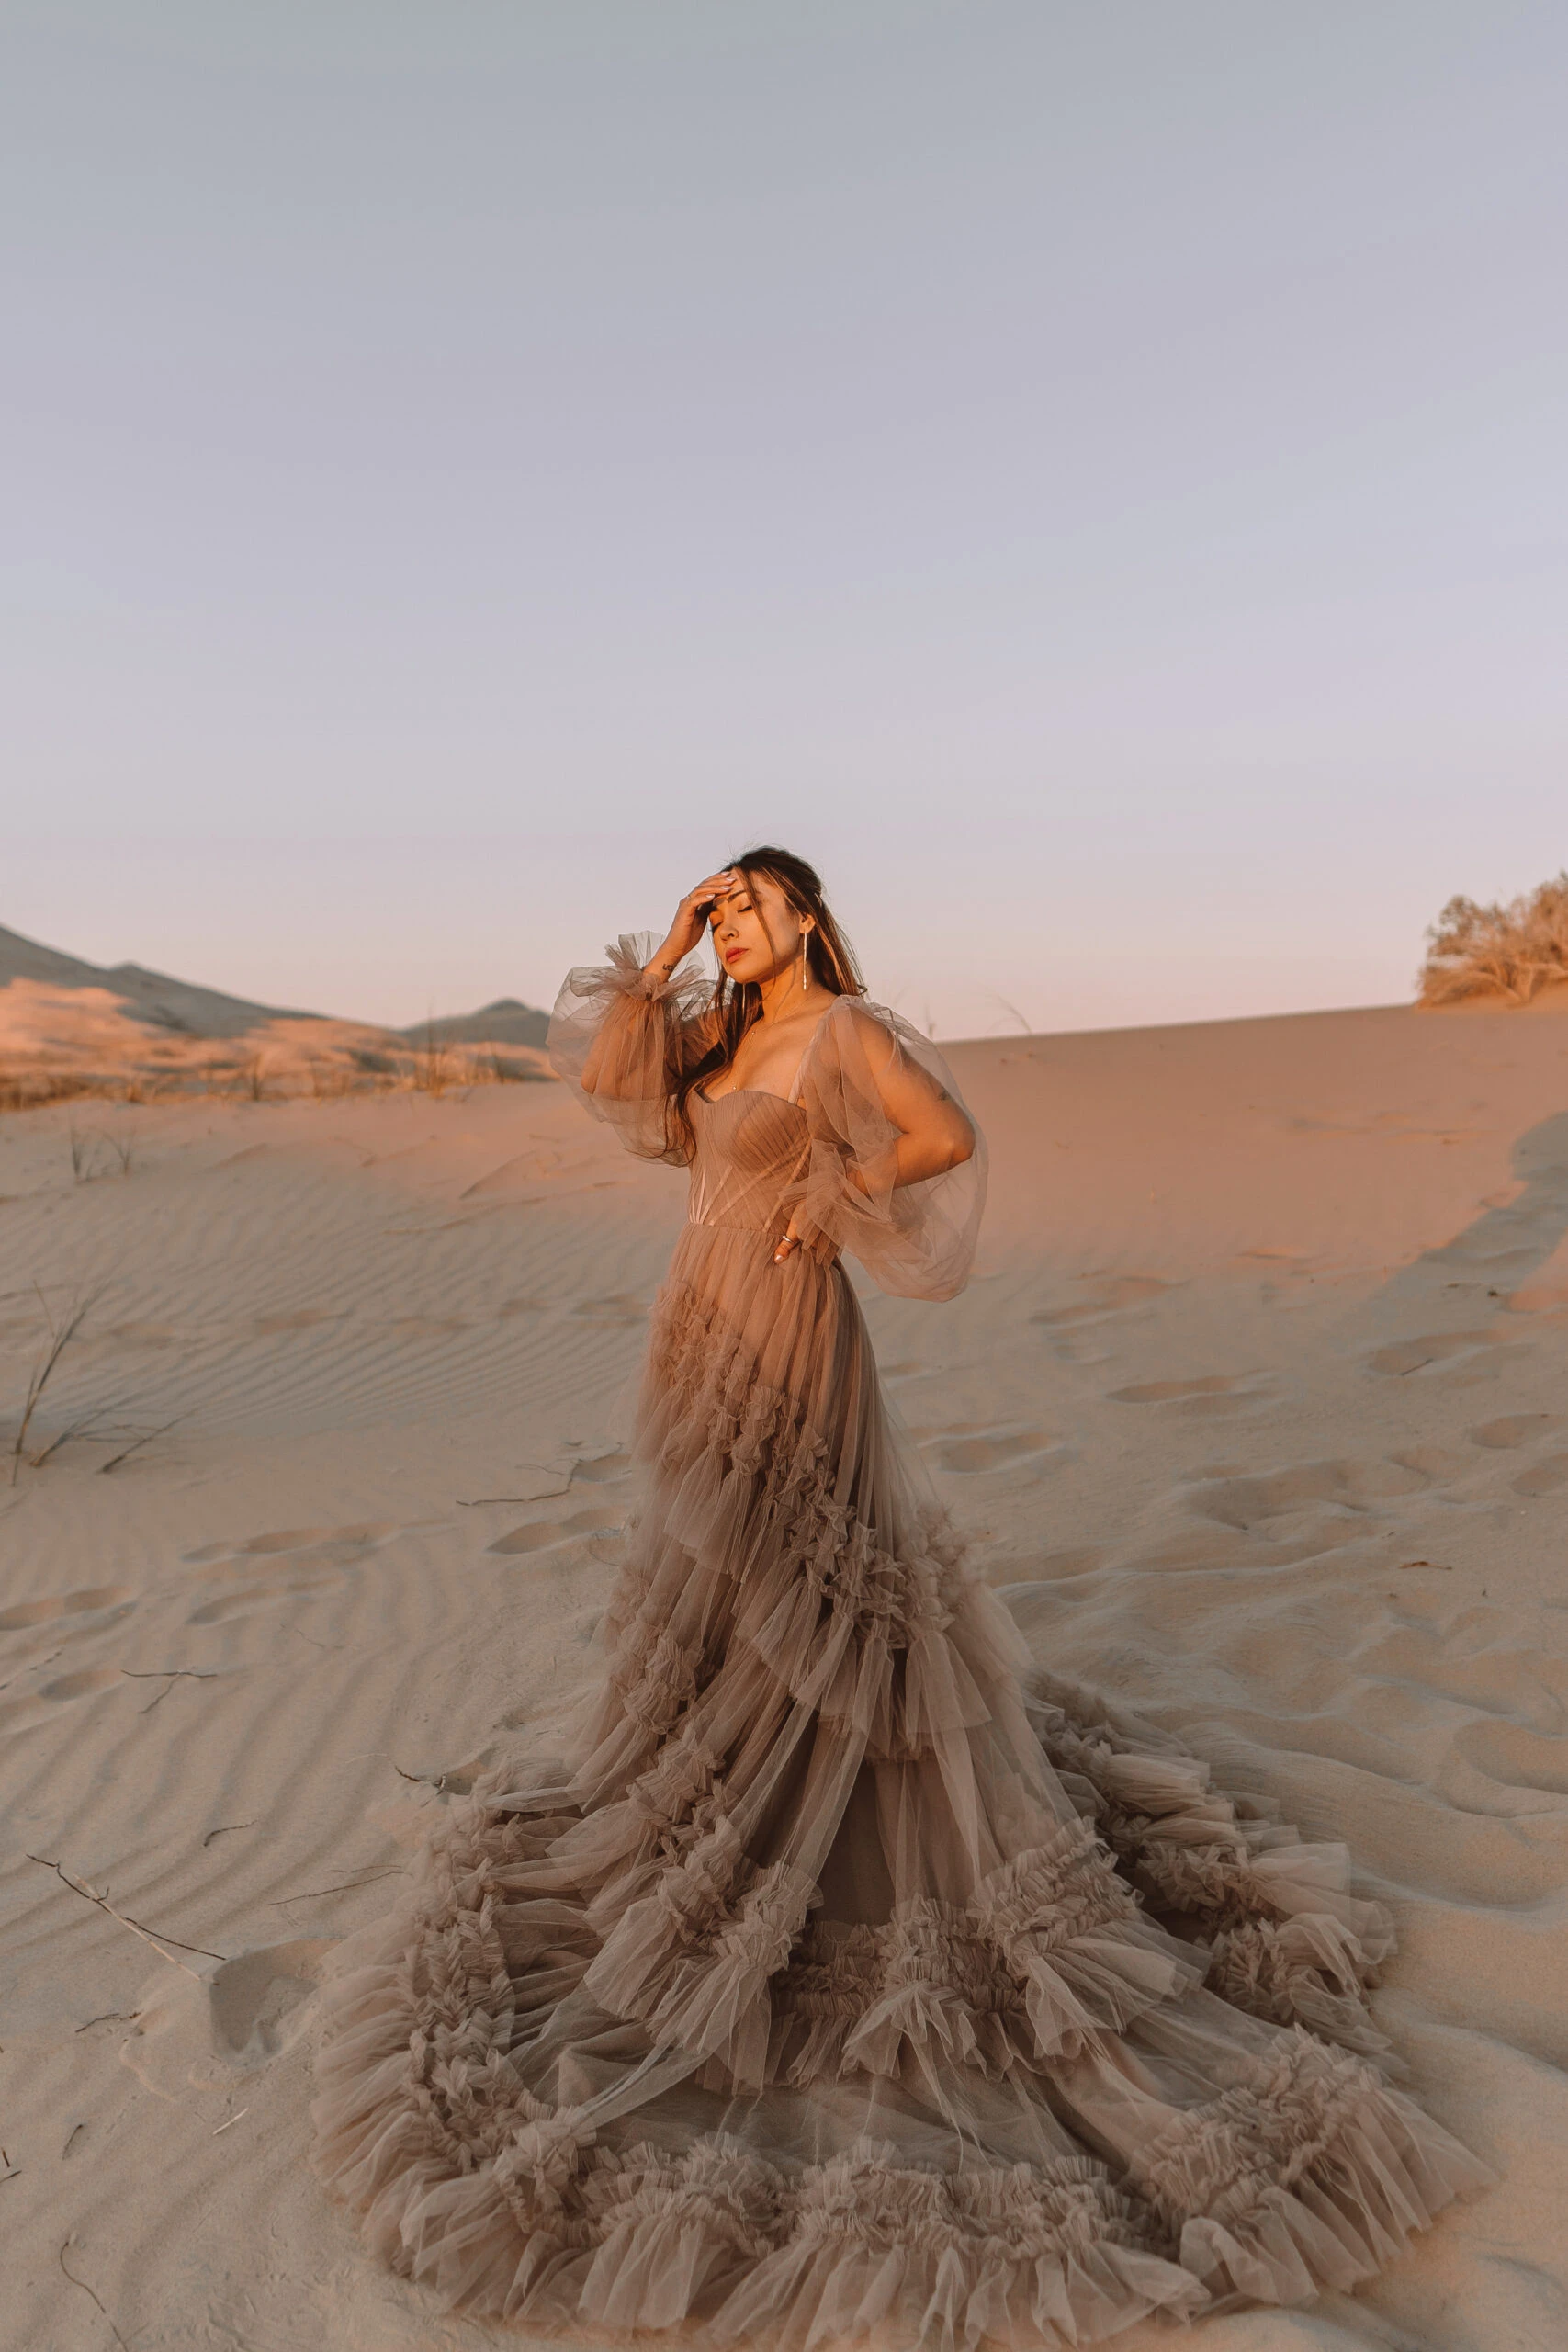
(749, 1146)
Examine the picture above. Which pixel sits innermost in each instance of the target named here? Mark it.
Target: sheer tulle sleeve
(620, 1039)
(868, 1079)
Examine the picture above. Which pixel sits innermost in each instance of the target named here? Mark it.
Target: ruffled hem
(1310, 2173)
(1312, 2176)
(1286, 1941)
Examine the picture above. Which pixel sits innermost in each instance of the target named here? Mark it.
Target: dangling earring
(803, 981)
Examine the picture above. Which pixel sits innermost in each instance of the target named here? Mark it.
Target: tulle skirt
(851, 1975)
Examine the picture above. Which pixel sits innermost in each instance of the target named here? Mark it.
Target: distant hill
(507, 1021)
(177, 1006)
(69, 1027)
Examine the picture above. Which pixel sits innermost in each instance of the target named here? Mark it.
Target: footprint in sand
(543, 1535)
(80, 1685)
(29, 1708)
(1515, 1429)
(1106, 1298)
(251, 1996)
(1352, 1487)
(1455, 1350)
(1543, 1477)
(1214, 1396)
(343, 1543)
(601, 1470)
(65, 1604)
(969, 1448)
(290, 1560)
(1106, 1301)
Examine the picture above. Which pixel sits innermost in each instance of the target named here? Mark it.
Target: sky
(1090, 477)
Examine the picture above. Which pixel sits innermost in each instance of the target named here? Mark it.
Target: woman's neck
(783, 996)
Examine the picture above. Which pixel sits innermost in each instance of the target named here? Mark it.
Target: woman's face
(756, 931)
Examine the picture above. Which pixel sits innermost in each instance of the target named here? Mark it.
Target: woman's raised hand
(691, 918)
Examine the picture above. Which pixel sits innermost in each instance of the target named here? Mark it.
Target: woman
(850, 1974)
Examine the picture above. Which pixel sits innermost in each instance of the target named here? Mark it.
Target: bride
(850, 1974)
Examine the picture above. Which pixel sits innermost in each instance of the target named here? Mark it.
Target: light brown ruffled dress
(853, 1977)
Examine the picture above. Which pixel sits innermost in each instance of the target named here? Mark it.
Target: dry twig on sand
(145, 1438)
(87, 2291)
(89, 1895)
(1511, 950)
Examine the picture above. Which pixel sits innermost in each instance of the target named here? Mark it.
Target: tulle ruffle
(1305, 2172)
(850, 1975)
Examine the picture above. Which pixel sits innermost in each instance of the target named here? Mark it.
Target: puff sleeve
(868, 1080)
(620, 1040)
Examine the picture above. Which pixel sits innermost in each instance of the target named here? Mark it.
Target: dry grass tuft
(61, 1334)
(96, 1152)
(1512, 951)
(433, 1069)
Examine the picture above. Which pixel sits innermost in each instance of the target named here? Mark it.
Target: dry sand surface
(1256, 1409)
(70, 1029)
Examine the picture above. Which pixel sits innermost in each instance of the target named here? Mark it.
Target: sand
(70, 1029)
(1256, 1409)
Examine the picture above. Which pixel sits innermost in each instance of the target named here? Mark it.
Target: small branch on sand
(87, 2291)
(84, 1427)
(233, 2120)
(89, 1896)
(222, 1831)
(346, 1887)
(168, 1675)
(172, 1673)
(137, 1443)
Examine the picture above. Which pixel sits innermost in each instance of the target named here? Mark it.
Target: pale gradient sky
(1091, 477)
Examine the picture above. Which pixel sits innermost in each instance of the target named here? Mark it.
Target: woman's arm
(930, 1134)
(934, 1133)
(605, 1070)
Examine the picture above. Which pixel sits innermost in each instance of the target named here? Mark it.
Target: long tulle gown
(851, 1977)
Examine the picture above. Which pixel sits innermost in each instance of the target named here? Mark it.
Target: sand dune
(71, 1029)
(1257, 1410)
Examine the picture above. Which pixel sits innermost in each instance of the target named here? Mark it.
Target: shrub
(1509, 951)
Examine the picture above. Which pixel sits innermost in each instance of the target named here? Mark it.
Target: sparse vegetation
(96, 1152)
(1511, 950)
(433, 1070)
(437, 1067)
(61, 1334)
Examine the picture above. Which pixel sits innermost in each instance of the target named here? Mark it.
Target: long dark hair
(738, 1003)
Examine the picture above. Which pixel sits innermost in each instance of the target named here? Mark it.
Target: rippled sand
(1259, 1410)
